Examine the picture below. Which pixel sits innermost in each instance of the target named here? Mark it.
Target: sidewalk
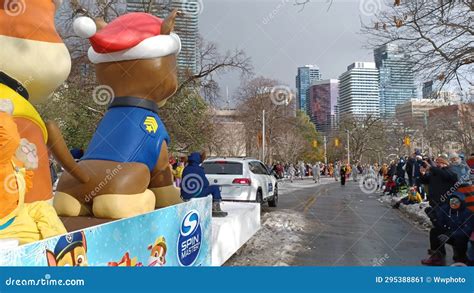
(415, 212)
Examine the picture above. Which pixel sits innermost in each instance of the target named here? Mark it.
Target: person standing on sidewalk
(440, 180)
(459, 167)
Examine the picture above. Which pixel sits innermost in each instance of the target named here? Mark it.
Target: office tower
(396, 81)
(304, 78)
(359, 90)
(186, 26)
(322, 101)
(414, 113)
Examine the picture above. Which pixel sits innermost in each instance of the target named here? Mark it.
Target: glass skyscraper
(322, 102)
(304, 78)
(359, 91)
(396, 79)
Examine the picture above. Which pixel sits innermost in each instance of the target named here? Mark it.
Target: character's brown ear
(168, 24)
(150, 247)
(84, 242)
(51, 259)
(100, 23)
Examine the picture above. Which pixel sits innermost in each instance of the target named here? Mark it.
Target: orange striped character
(33, 62)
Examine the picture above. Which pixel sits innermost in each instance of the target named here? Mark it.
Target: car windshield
(222, 167)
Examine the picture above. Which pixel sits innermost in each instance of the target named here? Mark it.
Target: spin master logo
(189, 240)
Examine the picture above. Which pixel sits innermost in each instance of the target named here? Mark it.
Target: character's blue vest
(130, 131)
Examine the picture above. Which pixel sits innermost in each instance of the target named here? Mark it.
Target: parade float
(178, 235)
(117, 206)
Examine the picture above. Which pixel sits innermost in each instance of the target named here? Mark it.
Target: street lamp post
(325, 152)
(263, 136)
(348, 148)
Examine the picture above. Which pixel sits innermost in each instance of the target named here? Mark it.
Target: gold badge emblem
(151, 124)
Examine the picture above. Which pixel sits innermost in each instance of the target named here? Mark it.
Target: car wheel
(274, 201)
(259, 197)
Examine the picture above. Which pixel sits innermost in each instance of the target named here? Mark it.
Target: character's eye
(156, 254)
(80, 259)
(162, 259)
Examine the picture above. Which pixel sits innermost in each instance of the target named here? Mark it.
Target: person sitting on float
(195, 184)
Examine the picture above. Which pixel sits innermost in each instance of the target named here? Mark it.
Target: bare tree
(395, 133)
(228, 139)
(438, 36)
(453, 124)
(366, 134)
(188, 119)
(290, 146)
(255, 95)
(302, 4)
(211, 62)
(287, 137)
(105, 9)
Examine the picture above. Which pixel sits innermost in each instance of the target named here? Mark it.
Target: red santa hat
(129, 37)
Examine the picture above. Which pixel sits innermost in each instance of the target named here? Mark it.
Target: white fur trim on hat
(84, 27)
(157, 46)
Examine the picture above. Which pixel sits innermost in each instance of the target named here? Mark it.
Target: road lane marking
(308, 204)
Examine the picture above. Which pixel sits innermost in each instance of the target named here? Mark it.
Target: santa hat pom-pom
(84, 27)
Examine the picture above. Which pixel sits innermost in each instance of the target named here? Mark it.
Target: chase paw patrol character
(71, 250)
(135, 56)
(33, 62)
(157, 253)
(24, 222)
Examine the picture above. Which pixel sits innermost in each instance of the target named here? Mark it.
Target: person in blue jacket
(194, 184)
(455, 225)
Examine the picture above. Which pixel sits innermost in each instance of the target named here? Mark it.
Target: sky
(279, 36)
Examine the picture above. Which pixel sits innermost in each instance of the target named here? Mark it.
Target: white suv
(242, 179)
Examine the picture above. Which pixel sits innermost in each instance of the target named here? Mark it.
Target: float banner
(179, 235)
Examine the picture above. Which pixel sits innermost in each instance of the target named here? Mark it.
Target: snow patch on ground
(275, 243)
(415, 212)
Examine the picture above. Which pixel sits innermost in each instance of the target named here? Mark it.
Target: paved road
(350, 228)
